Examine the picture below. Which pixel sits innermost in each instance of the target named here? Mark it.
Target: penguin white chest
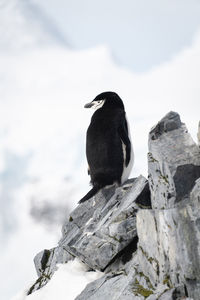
(127, 169)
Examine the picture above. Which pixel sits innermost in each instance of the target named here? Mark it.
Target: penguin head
(107, 100)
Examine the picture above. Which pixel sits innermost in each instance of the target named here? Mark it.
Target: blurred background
(55, 56)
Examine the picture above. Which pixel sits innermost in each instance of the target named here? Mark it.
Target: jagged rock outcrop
(97, 230)
(101, 227)
(144, 235)
(172, 254)
(174, 162)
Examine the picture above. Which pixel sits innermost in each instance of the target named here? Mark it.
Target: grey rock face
(97, 230)
(147, 248)
(112, 288)
(173, 162)
(177, 293)
(45, 264)
(101, 227)
(129, 283)
(169, 244)
(117, 286)
(170, 122)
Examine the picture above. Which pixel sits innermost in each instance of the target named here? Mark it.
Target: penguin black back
(108, 147)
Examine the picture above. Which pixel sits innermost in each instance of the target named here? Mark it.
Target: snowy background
(55, 56)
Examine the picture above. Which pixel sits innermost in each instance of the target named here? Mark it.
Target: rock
(129, 283)
(120, 285)
(43, 260)
(169, 244)
(173, 162)
(144, 236)
(169, 123)
(97, 230)
(103, 226)
(45, 264)
(177, 293)
(112, 288)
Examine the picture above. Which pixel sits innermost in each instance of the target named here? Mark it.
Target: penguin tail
(90, 194)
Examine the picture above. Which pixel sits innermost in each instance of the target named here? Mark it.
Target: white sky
(140, 34)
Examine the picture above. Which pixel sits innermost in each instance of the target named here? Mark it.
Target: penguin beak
(89, 105)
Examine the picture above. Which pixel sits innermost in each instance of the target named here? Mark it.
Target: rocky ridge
(144, 235)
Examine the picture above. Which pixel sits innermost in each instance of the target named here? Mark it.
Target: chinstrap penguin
(108, 145)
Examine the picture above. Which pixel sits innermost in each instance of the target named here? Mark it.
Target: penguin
(108, 144)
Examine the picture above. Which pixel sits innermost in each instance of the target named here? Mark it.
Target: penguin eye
(100, 101)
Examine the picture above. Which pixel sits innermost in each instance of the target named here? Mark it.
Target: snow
(68, 281)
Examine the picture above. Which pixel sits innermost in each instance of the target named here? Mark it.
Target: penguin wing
(123, 133)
